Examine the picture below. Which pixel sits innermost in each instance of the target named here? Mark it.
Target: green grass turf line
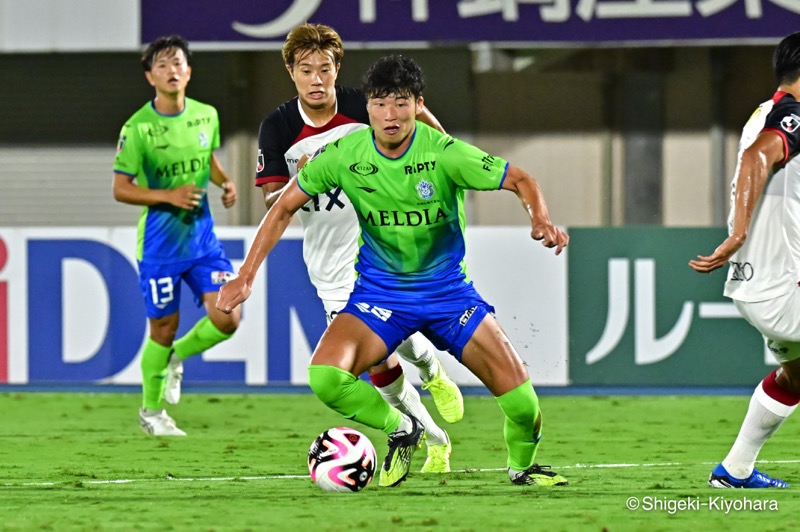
(60, 452)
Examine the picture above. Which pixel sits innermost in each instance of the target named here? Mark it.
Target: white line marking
(290, 477)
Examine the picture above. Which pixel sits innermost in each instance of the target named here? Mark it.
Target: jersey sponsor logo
(333, 201)
(121, 143)
(183, 167)
(260, 161)
(488, 162)
(427, 166)
(742, 271)
(790, 123)
(466, 316)
(425, 190)
(157, 130)
(203, 138)
(198, 121)
(364, 169)
(398, 218)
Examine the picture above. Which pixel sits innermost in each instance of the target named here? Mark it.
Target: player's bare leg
(491, 357)
(348, 348)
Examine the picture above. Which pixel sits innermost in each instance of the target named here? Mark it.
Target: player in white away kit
(763, 252)
(323, 113)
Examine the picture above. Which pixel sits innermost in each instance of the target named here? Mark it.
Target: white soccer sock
(403, 396)
(420, 352)
(764, 416)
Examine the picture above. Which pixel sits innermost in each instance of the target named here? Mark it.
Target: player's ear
(149, 77)
(289, 70)
(420, 105)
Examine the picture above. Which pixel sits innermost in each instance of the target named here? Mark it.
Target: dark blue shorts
(448, 321)
(161, 283)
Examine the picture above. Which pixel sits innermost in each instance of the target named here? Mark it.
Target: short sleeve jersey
(768, 263)
(410, 208)
(330, 228)
(166, 152)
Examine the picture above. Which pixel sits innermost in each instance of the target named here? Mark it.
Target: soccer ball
(342, 459)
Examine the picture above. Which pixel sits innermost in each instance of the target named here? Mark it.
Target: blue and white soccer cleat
(720, 478)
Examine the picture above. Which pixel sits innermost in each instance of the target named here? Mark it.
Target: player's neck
(320, 116)
(169, 104)
(791, 88)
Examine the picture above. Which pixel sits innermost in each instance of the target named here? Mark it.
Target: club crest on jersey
(203, 138)
(790, 123)
(260, 162)
(425, 190)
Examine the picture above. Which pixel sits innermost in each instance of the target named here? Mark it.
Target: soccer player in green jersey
(164, 163)
(323, 112)
(406, 182)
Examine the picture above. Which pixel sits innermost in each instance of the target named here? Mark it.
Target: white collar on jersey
(305, 117)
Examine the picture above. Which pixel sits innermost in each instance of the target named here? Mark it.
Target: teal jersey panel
(410, 209)
(166, 152)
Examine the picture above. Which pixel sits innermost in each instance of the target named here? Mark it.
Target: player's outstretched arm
(529, 192)
(754, 169)
(269, 231)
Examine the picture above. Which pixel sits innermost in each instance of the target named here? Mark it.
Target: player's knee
(789, 378)
(226, 323)
(328, 383)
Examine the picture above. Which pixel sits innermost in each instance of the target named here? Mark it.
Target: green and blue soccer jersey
(165, 152)
(410, 209)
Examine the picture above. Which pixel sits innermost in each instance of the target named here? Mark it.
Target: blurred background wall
(618, 133)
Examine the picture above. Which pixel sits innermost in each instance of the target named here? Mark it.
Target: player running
(164, 162)
(763, 254)
(407, 182)
(320, 113)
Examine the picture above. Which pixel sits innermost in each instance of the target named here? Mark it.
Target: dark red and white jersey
(330, 226)
(768, 264)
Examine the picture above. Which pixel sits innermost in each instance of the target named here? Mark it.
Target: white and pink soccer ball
(342, 459)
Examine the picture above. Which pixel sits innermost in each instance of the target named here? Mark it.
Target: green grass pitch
(79, 462)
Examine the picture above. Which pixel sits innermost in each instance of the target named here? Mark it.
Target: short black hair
(393, 74)
(168, 42)
(786, 59)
